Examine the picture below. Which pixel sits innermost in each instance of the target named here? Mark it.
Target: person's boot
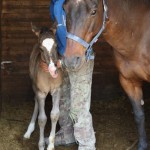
(64, 137)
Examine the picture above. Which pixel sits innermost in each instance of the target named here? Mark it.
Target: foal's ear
(35, 29)
(53, 27)
(53, 30)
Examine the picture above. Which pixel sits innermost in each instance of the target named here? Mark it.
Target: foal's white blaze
(48, 44)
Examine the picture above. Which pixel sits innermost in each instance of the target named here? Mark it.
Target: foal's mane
(35, 58)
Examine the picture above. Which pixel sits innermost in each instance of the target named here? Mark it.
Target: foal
(45, 78)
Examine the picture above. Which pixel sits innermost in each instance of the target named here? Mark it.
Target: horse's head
(84, 19)
(47, 45)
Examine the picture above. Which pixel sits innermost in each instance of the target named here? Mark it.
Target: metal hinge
(5, 62)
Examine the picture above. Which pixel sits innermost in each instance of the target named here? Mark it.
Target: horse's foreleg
(42, 119)
(54, 118)
(31, 126)
(134, 91)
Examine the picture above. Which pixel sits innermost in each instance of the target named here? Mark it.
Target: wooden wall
(17, 42)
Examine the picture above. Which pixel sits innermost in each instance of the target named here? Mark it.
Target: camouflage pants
(76, 110)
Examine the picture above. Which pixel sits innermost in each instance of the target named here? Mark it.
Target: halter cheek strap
(77, 39)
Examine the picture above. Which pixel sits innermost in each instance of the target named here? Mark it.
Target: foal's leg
(54, 118)
(42, 119)
(134, 91)
(31, 126)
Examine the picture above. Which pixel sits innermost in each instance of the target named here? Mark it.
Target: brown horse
(44, 81)
(127, 30)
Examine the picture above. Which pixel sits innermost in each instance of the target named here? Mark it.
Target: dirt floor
(113, 124)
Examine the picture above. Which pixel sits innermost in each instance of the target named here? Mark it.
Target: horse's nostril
(78, 60)
(73, 63)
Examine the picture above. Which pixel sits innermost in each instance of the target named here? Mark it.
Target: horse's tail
(34, 62)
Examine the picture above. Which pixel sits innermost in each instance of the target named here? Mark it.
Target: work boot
(64, 137)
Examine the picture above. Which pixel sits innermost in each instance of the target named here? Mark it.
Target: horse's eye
(93, 12)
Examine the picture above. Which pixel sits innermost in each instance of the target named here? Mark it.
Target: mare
(44, 81)
(127, 30)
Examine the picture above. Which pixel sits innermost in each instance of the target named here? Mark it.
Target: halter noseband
(88, 46)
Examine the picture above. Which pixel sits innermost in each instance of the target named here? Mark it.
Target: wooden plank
(25, 23)
(30, 19)
(18, 41)
(26, 9)
(24, 16)
(18, 51)
(16, 57)
(8, 48)
(26, 3)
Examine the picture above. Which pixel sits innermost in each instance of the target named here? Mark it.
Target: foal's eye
(41, 48)
(93, 12)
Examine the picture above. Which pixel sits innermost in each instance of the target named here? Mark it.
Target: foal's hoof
(46, 141)
(41, 146)
(26, 135)
(50, 148)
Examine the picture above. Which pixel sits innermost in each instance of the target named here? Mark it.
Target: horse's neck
(124, 18)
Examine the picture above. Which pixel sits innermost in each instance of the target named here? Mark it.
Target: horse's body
(43, 83)
(128, 32)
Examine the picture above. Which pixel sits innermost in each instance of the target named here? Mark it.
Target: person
(75, 118)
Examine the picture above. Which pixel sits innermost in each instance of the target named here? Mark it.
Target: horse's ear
(35, 29)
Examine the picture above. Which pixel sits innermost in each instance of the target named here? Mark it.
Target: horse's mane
(136, 2)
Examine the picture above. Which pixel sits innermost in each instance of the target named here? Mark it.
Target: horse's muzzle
(73, 63)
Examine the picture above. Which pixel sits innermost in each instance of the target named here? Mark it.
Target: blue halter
(58, 10)
(57, 13)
